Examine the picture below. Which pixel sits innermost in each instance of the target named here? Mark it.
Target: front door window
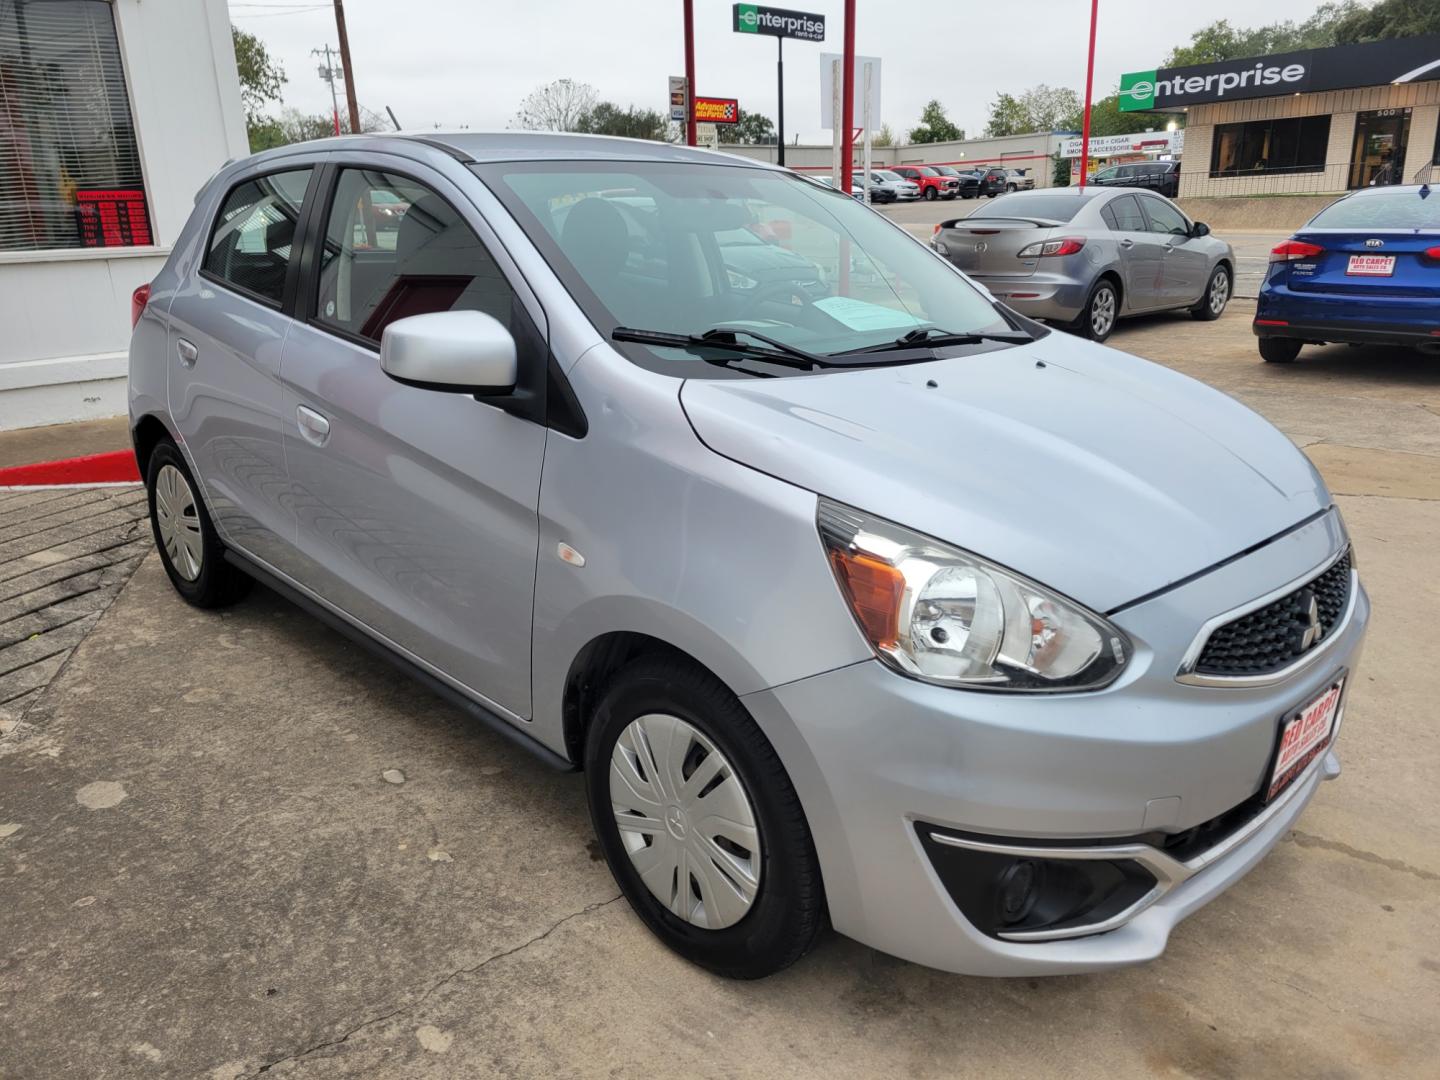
(1378, 154)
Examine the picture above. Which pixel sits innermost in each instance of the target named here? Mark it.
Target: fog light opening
(1018, 889)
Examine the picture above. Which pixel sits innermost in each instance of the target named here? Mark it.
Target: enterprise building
(1318, 121)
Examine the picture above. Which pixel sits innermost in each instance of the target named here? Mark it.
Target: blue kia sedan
(1366, 270)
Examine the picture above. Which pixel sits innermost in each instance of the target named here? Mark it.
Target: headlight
(940, 614)
(739, 280)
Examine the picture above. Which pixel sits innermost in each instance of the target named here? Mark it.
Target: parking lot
(232, 845)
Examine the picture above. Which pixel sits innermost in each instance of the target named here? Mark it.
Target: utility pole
(349, 71)
(328, 73)
(1089, 86)
(689, 72)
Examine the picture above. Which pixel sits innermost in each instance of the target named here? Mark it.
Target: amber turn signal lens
(874, 589)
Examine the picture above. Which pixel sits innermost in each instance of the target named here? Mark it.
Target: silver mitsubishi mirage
(857, 596)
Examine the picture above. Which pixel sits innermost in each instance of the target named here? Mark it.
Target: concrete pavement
(204, 871)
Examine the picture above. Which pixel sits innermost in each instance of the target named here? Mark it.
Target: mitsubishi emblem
(1314, 629)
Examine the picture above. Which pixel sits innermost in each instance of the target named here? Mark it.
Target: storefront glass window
(1293, 145)
(69, 166)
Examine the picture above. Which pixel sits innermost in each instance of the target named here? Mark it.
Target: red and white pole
(847, 107)
(1089, 86)
(689, 72)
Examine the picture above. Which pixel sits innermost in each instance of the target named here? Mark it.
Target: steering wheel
(775, 290)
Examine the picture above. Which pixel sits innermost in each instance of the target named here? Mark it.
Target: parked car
(993, 181)
(1085, 259)
(887, 186)
(856, 191)
(1161, 176)
(887, 608)
(932, 184)
(1366, 269)
(1016, 180)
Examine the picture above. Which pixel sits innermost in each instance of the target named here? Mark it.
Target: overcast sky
(469, 62)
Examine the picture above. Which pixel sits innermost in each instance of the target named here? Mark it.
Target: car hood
(1094, 472)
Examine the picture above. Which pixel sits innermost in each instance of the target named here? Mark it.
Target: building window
(69, 166)
(1293, 145)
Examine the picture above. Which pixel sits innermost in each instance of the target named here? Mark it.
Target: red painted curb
(118, 466)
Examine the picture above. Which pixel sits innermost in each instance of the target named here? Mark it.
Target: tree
(935, 126)
(1107, 119)
(883, 137)
(1388, 19)
(607, 118)
(1220, 41)
(1007, 117)
(753, 129)
(261, 78)
(1041, 108)
(556, 106)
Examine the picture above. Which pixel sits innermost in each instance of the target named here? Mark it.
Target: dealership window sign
(777, 22)
(717, 110)
(1374, 63)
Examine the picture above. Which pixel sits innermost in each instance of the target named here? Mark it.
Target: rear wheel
(699, 821)
(1101, 310)
(1216, 295)
(190, 549)
(1279, 350)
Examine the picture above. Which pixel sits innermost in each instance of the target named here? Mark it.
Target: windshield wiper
(728, 338)
(924, 336)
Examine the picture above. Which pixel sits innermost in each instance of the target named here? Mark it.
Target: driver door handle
(188, 352)
(1127, 243)
(314, 428)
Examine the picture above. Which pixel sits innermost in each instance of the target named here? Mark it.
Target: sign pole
(690, 72)
(1089, 85)
(869, 70)
(780, 99)
(847, 165)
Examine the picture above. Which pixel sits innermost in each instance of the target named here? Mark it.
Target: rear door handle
(188, 352)
(313, 427)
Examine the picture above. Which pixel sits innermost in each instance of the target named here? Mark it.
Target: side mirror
(465, 352)
(1199, 228)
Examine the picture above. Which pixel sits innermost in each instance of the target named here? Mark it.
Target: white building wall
(66, 313)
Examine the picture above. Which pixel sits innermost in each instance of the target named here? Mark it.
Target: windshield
(1387, 210)
(1022, 204)
(945, 170)
(889, 177)
(926, 171)
(684, 248)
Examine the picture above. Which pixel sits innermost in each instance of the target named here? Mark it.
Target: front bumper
(877, 757)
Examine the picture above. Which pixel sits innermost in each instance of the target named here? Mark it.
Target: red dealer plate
(1371, 265)
(1304, 736)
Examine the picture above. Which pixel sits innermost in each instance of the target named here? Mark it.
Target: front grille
(1274, 636)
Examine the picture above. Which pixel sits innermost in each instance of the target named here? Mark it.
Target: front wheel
(700, 823)
(190, 549)
(1009, 187)
(1216, 295)
(1097, 318)
(1279, 350)
(929, 194)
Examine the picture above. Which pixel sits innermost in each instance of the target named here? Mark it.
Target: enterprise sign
(1374, 63)
(777, 22)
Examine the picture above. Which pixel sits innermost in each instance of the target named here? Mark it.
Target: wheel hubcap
(178, 519)
(1102, 312)
(685, 820)
(1219, 293)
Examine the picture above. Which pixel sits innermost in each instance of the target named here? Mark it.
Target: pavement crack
(433, 987)
(1310, 840)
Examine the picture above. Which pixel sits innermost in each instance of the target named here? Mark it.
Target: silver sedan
(1085, 259)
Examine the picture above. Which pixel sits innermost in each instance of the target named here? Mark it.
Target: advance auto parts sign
(1374, 63)
(777, 22)
(716, 110)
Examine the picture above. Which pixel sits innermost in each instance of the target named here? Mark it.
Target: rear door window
(393, 248)
(1123, 215)
(253, 237)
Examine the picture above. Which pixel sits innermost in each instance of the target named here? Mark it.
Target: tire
(991, 194)
(1279, 350)
(190, 549)
(1211, 304)
(664, 698)
(929, 194)
(1092, 324)
(1009, 187)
